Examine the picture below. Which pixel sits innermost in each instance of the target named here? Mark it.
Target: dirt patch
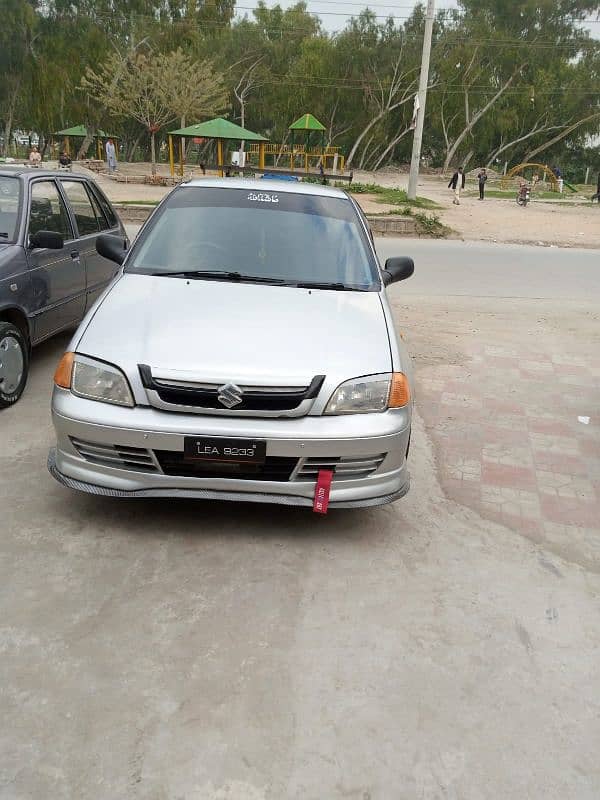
(564, 223)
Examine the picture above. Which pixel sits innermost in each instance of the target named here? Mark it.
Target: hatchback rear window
(271, 234)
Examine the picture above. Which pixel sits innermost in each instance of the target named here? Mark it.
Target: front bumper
(148, 431)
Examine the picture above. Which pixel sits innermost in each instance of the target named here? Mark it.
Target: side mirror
(47, 239)
(112, 247)
(397, 269)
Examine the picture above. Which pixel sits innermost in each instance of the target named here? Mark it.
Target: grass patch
(393, 197)
(430, 225)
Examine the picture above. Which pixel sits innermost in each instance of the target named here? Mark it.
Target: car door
(91, 221)
(57, 276)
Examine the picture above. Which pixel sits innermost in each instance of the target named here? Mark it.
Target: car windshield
(245, 234)
(10, 198)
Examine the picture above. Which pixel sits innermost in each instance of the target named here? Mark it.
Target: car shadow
(159, 518)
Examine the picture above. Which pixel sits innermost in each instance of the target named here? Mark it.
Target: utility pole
(423, 81)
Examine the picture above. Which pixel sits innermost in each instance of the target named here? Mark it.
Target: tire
(14, 364)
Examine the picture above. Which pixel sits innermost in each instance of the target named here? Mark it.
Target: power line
(291, 11)
(300, 81)
(215, 24)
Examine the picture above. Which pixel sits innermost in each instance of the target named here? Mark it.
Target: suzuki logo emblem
(230, 395)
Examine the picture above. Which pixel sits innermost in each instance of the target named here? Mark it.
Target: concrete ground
(440, 648)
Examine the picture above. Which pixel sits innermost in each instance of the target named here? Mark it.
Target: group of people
(457, 183)
(35, 157)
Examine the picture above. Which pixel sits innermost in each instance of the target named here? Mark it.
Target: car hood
(252, 334)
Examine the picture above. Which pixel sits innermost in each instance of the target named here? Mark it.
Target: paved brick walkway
(506, 428)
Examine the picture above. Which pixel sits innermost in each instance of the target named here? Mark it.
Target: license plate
(246, 451)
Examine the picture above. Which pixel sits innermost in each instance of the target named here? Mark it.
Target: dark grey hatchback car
(50, 270)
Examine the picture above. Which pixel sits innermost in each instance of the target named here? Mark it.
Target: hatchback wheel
(14, 364)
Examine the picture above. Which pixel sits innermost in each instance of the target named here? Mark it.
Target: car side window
(100, 216)
(105, 205)
(47, 211)
(85, 216)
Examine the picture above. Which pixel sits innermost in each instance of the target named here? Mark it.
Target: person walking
(111, 155)
(482, 178)
(457, 183)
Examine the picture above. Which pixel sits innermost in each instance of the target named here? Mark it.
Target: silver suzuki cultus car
(245, 351)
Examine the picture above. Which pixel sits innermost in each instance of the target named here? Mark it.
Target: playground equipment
(80, 132)
(221, 130)
(310, 151)
(544, 169)
(293, 156)
(297, 157)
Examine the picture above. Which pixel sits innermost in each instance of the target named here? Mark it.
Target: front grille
(346, 468)
(274, 468)
(259, 399)
(116, 455)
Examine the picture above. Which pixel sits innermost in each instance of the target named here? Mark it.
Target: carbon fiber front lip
(208, 494)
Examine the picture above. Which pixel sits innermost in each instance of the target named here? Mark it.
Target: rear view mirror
(398, 269)
(112, 247)
(47, 239)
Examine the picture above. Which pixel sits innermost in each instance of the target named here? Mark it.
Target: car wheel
(14, 364)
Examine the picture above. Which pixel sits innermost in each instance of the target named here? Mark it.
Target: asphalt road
(155, 650)
(479, 269)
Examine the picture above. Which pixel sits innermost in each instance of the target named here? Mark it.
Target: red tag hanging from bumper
(322, 489)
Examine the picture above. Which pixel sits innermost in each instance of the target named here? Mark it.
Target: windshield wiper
(3, 235)
(220, 275)
(338, 287)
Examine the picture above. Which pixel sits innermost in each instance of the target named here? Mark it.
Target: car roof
(258, 185)
(30, 173)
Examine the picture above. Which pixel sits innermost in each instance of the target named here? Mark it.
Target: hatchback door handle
(74, 254)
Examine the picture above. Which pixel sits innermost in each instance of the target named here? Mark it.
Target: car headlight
(93, 380)
(372, 393)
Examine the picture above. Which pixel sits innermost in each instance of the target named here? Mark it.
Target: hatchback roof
(29, 173)
(258, 185)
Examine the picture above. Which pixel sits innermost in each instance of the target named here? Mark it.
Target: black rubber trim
(208, 398)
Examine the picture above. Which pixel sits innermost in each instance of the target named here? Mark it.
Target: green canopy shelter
(308, 125)
(221, 130)
(80, 132)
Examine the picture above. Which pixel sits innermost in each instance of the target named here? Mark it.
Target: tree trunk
(560, 136)
(133, 147)
(361, 136)
(533, 132)
(87, 141)
(45, 147)
(7, 132)
(367, 147)
(12, 104)
(391, 146)
(451, 152)
(153, 152)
